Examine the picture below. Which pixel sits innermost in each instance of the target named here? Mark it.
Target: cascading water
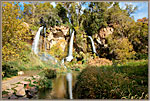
(45, 38)
(69, 79)
(44, 57)
(62, 63)
(93, 46)
(70, 57)
(36, 41)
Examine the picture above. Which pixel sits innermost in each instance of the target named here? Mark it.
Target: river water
(59, 88)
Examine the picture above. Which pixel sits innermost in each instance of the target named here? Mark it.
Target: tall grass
(126, 81)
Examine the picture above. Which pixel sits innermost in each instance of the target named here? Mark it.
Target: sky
(141, 12)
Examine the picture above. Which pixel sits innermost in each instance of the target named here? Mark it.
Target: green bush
(140, 56)
(45, 83)
(120, 49)
(119, 82)
(50, 74)
(9, 69)
(46, 77)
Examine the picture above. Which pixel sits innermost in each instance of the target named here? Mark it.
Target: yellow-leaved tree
(14, 32)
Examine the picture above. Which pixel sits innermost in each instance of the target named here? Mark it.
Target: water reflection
(60, 88)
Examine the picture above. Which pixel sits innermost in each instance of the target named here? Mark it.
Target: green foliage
(45, 81)
(129, 81)
(139, 37)
(80, 40)
(35, 10)
(34, 28)
(62, 13)
(121, 48)
(95, 19)
(140, 56)
(50, 74)
(130, 9)
(9, 69)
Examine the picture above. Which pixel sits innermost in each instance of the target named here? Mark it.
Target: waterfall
(93, 46)
(69, 79)
(36, 41)
(70, 57)
(45, 39)
(62, 63)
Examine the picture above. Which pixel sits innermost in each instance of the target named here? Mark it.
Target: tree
(14, 32)
(120, 48)
(62, 13)
(144, 20)
(95, 17)
(130, 9)
(139, 37)
(35, 10)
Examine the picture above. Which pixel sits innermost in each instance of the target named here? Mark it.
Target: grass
(125, 81)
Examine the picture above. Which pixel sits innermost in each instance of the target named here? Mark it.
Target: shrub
(9, 69)
(50, 74)
(45, 83)
(141, 56)
(121, 48)
(112, 83)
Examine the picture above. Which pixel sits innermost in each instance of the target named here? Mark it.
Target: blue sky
(142, 10)
(140, 13)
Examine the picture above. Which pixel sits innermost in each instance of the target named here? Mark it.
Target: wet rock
(57, 34)
(104, 32)
(34, 90)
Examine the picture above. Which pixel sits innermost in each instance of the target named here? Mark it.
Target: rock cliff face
(103, 33)
(57, 35)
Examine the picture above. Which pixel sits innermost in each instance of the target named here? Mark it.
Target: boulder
(20, 90)
(6, 86)
(20, 73)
